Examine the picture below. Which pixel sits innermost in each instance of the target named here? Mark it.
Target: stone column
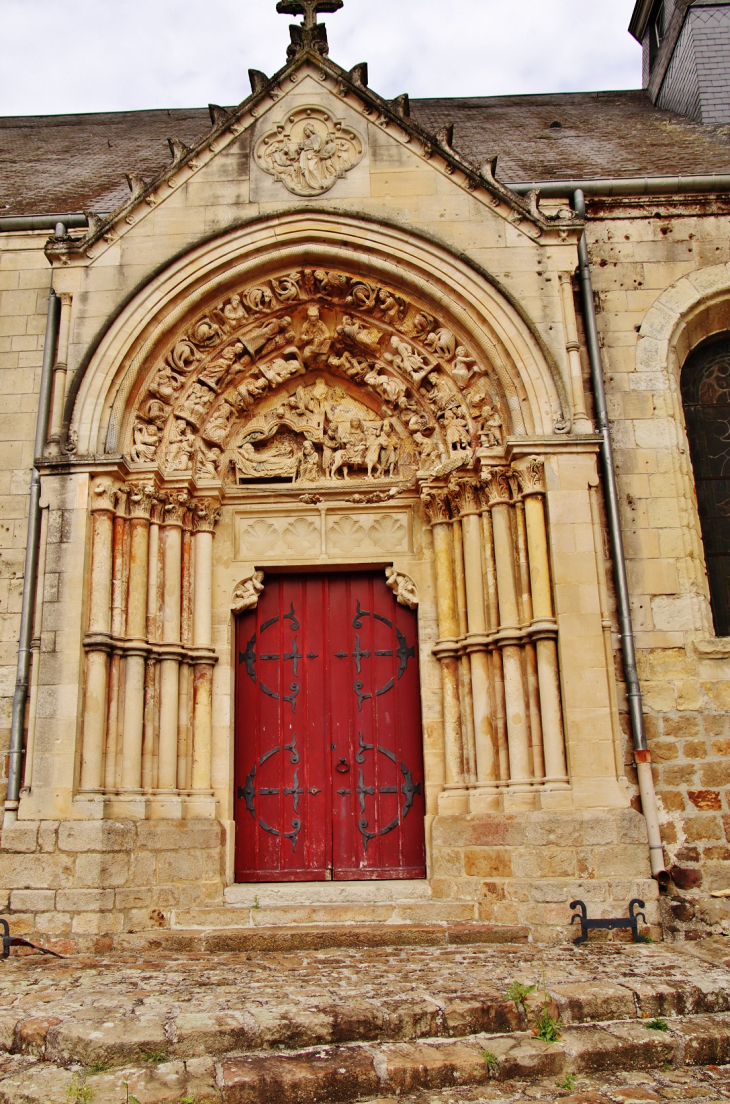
(134, 688)
(581, 421)
(98, 639)
(465, 499)
(543, 624)
(498, 482)
(174, 512)
(60, 368)
(454, 799)
(206, 517)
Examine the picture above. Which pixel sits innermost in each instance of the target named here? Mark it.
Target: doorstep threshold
(272, 894)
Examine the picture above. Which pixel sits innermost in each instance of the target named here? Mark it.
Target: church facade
(325, 625)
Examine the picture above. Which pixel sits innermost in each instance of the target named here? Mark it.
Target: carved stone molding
(309, 151)
(403, 587)
(247, 593)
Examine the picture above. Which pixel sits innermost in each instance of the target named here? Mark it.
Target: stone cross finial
(308, 8)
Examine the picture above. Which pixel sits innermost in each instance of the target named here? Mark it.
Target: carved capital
(531, 475)
(403, 587)
(499, 484)
(436, 502)
(103, 495)
(206, 515)
(247, 593)
(141, 501)
(464, 495)
(175, 509)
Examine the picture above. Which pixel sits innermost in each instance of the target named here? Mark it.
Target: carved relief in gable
(315, 377)
(309, 151)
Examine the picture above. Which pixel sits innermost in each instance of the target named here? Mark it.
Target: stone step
(340, 1074)
(327, 893)
(259, 915)
(311, 937)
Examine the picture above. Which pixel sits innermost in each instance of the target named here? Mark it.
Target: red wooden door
(329, 764)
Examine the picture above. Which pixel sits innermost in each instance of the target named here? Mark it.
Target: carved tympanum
(309, 151)
(314, 376)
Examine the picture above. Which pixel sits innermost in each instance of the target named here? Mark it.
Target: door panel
(329, 769)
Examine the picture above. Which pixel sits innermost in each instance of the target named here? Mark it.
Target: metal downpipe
(15, 757)
(626, 629)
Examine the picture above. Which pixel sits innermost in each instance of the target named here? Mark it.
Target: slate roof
(62, 163)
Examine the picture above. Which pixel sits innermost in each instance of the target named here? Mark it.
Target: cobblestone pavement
(704, 1085)
(211, 1028)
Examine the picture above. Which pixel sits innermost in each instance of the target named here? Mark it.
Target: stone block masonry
(73, 883)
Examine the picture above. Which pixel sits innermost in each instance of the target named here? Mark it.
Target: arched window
(706, 398)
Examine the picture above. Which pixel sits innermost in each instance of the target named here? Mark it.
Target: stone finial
(247, 593)
(309, 35)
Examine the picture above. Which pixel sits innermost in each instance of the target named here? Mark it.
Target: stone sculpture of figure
(489, 427)
(156, 413)
(430, 450)
(374, 447)
(195, 404)
(389, 444)
(146, 440)
(247, 593)
(221, 366)
(206, 334)
(209, 461)
(352, 455)
(394, 307)
(180, 448)
(403, 587)
(389, 388)
(317, 158)
(309, 470)
(250, 390)
(255, 341)
(166, 384)
(219, 423)
(456, 430)
(405, 358)
(234, 309)
(442, 344)
(463, 366)
(279, 370)
(317, 336)
(365, 336)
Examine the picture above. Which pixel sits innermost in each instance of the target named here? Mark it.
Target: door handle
(342, 767)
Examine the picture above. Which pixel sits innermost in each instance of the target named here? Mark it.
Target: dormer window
(656, 32)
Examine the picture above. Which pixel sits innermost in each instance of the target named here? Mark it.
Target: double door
(329, 762)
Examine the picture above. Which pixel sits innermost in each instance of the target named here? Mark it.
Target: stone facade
(322, 339)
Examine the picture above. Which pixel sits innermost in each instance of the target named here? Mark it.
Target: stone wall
(75, 885)
(638, 250)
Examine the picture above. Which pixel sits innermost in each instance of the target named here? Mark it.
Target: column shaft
(202, 672)
(547, 656)
(95, 702)
(169, 668)
(465, 679)
(514, 691)
(448, 631)
(135, 665)
(479, 659)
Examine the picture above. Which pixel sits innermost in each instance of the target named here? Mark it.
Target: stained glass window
(706, 398)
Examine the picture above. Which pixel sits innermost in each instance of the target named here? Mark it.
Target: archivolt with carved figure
(315, 376)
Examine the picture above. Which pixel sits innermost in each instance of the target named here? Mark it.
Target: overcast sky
(107, 55)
